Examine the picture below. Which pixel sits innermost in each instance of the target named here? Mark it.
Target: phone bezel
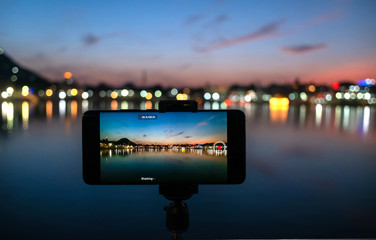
(91, 158)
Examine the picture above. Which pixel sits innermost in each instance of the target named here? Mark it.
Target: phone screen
(162, 147)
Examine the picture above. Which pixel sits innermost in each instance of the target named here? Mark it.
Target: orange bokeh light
(67, 75)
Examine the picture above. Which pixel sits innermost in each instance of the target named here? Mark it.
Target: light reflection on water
(25, 115)
(357, 120)
(184, 152)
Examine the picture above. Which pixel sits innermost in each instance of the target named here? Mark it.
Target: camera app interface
(167, 147)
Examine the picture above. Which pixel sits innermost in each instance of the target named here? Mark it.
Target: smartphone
(151, 147)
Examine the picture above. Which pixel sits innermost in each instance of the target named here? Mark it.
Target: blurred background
(302, 72)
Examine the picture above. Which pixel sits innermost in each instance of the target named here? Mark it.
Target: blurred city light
(149, 96)
(143, 93)
(40, 93)
(293, 96)
(49, 92)
(186, 90)
(13, 78)
(280, 102)
(74, 92)
(311, 88)
(10, 91)
(4, 94)
(114, 95)
(102, 93)
(215, 96)
(182, 96)
(158, 93)
(207, 96)
(336, 86)
(15, 70)
(85, 95)
(124, 92)
(90, 92)
(278, 107)
(366, 82)
(265, 97)
(25, 91)
(67, 75)
(303, 96)
(174, 91)
(62, 95)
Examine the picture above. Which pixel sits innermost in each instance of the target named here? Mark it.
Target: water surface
(311, 173)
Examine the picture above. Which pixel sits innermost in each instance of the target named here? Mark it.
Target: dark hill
(22, 77)
(125, 141)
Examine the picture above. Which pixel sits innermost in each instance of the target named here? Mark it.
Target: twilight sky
(193, 43)
(167, 128)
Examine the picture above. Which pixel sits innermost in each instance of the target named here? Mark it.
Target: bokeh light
(85, 95)
(158, 93)
(25, 91)
(62, 95)
(114, 95)
(49, 92)
(143, 93)
(149, 96)
(74, 92)
(68, 75)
